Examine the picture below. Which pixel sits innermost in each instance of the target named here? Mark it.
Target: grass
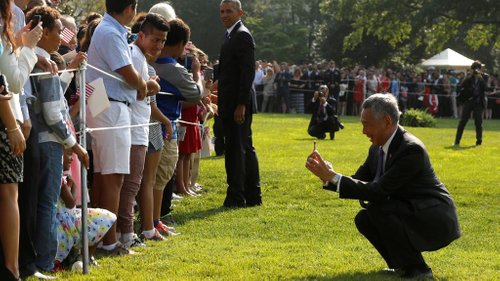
(305, 233)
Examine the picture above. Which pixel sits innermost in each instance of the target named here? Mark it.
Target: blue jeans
(51, 171)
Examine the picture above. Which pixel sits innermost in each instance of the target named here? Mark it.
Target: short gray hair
(235, 3)
(383, 104)
(165, 10)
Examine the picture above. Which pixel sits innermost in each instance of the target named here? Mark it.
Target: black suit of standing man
(472, 95)
(409, 210)
(236, 107)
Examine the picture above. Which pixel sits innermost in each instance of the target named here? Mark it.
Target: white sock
(149, 233)
(110, 246)
(127, 236)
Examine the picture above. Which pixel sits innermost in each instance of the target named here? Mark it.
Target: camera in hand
(35, 21)
(3, 82)
(188, 61)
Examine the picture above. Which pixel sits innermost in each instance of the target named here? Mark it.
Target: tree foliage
(421, 27)
(79, 9)
(370, 32)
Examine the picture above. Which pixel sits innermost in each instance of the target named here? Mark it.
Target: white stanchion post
(83, 184)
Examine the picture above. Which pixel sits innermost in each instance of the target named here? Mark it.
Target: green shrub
(418, 118)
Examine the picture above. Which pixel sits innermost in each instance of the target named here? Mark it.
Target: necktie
(380, 164)
(226, 37)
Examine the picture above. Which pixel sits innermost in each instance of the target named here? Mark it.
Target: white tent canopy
(449, 59)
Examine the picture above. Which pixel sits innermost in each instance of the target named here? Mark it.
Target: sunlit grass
(305, 233)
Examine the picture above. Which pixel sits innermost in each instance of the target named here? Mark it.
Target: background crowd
(289, 88)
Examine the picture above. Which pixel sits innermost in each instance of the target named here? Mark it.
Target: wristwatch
(335, 179)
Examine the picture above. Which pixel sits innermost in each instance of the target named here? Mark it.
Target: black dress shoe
(10, 276)
(391, 271)
(254, 204)
(417, 273)
(479, 142)
(233, 205)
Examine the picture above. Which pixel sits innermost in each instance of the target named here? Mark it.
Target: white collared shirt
(229, 30)
(385, 148)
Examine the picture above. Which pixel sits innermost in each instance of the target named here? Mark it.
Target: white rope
(50, 73)
(165, 94)
(90, 130)
(121, 80)
(106, 73)
(189, 123)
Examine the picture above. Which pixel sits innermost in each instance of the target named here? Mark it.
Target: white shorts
(111, 148)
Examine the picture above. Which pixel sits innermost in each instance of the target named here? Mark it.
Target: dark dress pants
(28, 201)
(319, 130)
(477, 109)
(242, 167)
(385, 231)
(166, 203)
(219, 136)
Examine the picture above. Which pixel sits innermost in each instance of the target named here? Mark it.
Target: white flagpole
(84, 191)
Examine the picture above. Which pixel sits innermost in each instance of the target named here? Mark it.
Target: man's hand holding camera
(322, 100)
(322, 169)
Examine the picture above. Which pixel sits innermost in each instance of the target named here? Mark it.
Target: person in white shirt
(150, 41)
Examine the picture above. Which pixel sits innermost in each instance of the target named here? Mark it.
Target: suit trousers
(477, 109)
(28, 201)
(218, 136)
(242, 167)
(385, 231)
(166, 203)
(319, 130)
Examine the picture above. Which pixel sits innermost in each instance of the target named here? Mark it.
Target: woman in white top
(16, 71)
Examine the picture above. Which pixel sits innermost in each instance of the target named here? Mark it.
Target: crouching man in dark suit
(324, 118)
(407, 210)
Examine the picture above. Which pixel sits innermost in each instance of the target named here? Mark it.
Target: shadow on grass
(183, 217)
(374, 275)
(213, 158)
(458, 148)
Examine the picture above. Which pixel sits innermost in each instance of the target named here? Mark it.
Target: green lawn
(305, 233)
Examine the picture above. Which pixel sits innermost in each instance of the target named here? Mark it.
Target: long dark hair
(6, 14)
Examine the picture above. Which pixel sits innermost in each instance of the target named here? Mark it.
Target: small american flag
(88, 91)
(67, 35)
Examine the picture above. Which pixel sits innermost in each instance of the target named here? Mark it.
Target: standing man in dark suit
(237, 103)
(332, 79)
(408, 209)
(472, 95)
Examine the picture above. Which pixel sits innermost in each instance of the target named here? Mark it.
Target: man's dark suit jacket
(330, 112)
(332, 79)
(236, 71)
(466, 92)
(410, 187)
(236, 75)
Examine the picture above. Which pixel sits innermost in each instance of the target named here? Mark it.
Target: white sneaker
(176, 197)
(42, 276)
(134, 242)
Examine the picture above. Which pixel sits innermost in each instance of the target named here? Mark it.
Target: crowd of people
(289, 88)
(158, 96)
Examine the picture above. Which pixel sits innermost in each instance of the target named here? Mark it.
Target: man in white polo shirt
(110, 52)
